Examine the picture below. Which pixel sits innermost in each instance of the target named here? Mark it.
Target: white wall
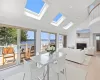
(95, 26)
(72, 37)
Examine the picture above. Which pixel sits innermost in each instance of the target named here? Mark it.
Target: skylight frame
(36, 15)
(59, 21)
(68, 25)
(58, 17)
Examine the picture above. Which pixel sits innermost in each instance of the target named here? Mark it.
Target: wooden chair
(32, 51)
(27, 54)
(22, 54)
(8, 52)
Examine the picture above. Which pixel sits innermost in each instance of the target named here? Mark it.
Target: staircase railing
(95, 12)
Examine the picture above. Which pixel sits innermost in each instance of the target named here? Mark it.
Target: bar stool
(32, 72)
(59, 66)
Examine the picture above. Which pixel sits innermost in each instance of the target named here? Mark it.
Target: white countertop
(45, 59)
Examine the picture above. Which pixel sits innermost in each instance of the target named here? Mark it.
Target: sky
(37, 5)
(34, 5)
(57, 17)
(30, 35)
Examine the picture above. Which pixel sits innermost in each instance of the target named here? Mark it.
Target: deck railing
(95, 12)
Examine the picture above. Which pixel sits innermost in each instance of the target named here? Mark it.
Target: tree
(9, 35)
(23, 35)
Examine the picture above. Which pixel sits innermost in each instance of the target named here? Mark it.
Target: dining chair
(32, 72)
(52, 74)
(59, 66)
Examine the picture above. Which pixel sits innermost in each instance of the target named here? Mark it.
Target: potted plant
(51, 49)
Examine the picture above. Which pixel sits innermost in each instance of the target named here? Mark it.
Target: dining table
(46, 59)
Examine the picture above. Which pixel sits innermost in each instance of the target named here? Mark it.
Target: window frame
(49, 38)
(35, 15)
(59, 21)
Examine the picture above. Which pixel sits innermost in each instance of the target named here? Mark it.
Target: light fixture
(68, 25)
(70, 6)
(78, 18)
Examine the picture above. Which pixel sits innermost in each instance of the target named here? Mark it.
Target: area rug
(87, 60)
(75, 73)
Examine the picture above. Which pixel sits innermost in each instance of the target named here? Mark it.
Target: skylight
(35, 8)
(34, 5)
(68, 25)
(58, 20)
(57, 17)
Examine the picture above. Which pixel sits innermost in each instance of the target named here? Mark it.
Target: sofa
(90, 51)
(75, 55)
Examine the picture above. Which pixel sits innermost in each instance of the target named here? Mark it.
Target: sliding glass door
(44, 41)
(53, 40)
(16, 44)
(27, 44)
(47, 40)
(8, 46)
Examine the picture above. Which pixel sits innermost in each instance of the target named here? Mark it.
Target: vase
(50, 54)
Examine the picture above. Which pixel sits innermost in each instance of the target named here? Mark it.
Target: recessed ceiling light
(70, 7)
(78, 18)
(68, 25)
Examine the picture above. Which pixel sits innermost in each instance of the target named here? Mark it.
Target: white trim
(35, 15)
(68, 25)
(59, 21)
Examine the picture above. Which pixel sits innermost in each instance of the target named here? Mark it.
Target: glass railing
(94, 12)
(26, 51)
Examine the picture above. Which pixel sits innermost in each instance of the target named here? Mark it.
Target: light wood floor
(93, 69)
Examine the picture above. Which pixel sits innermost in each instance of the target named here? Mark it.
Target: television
(81, 46)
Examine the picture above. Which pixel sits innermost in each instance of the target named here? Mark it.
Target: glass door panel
(27, 44)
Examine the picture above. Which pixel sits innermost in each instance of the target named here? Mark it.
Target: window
(35, 8)
(91, 7)
(8, 46)
(53, 40)
(47, 39)
(61, 41)
(97, 37)
(44, 41)
(58, 20)
(15, 42)
(27, 44)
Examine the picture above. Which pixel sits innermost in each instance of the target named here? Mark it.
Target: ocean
(30, 42)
